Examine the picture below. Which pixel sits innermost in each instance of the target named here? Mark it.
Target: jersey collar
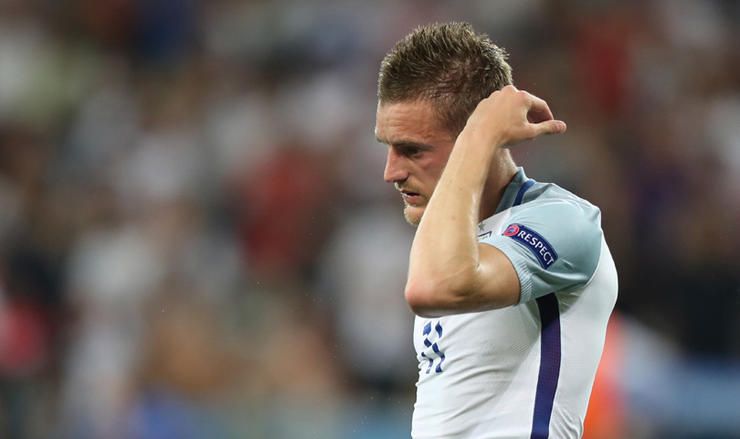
(509, 197)
(511, 191)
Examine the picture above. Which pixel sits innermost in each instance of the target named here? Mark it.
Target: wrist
(484, 143)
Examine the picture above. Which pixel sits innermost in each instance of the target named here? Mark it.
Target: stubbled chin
(413, 214)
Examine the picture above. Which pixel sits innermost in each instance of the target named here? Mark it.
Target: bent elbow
(434, 299)
(419, 301)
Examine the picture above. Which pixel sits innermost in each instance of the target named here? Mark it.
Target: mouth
(411, 198)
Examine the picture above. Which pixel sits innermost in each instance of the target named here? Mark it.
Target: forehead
(405, 121)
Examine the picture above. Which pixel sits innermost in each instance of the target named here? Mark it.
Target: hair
(448, 64)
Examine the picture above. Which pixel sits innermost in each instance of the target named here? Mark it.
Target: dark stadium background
(195, 239)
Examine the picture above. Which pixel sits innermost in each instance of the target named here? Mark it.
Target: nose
(395, 170)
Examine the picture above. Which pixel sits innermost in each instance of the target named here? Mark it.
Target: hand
(509, 116)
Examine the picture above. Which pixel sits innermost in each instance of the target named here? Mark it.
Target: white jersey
(524, 371)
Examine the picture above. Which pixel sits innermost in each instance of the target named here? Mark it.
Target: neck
(503, 169)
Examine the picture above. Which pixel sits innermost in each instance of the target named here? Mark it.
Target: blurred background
(196, 241)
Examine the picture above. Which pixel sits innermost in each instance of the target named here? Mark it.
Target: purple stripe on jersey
(547, 380)
(520, 195)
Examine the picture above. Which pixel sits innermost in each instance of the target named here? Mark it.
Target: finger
(538, 111)
(549, 127)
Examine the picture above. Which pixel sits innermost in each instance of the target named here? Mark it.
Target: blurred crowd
(196, 241)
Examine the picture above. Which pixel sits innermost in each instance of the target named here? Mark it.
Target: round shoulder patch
(511, 230)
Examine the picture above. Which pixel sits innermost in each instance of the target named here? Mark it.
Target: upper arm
(543, 248)
(497, 283)
(491, 283)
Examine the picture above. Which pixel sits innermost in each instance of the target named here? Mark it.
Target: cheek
(432, 171)
(434, 162)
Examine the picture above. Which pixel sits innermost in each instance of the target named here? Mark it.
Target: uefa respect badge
(540, 248)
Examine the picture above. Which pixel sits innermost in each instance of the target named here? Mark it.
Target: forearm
(444, 254)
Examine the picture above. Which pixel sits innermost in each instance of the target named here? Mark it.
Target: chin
(413, 214)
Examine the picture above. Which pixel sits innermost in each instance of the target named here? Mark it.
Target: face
(418, 148)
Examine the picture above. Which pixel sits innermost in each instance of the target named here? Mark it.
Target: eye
(410, 151)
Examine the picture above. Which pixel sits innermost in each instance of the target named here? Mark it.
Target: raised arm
(449, 271)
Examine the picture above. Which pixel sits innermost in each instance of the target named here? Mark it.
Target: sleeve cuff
(525, 280)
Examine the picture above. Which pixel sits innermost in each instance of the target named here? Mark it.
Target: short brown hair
(446, 63)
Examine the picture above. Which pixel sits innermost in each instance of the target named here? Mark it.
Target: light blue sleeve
(553, 245)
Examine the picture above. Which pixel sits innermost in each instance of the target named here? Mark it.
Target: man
(511, 279)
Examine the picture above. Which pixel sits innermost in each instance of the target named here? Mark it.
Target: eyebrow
(405, 144)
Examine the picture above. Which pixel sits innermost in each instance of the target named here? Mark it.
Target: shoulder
(569, 224)
(553, 238)
(551, 205)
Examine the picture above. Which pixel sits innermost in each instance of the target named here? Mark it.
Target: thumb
(550, 127)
